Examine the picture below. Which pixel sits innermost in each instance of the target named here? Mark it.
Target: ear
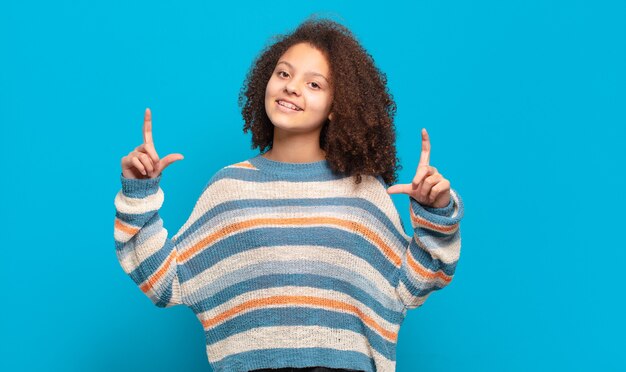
(330, 116)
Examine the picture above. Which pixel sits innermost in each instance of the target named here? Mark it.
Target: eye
(282, 72)
(317, 86)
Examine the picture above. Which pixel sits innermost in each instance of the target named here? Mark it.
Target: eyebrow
(310, 72)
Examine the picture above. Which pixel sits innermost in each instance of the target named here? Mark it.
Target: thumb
(399, 189)
(168, 160)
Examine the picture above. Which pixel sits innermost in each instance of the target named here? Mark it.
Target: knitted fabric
(289, 264)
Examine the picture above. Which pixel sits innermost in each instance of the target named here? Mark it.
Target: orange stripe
(300, 300)
(387, 251)
(417, 220)
(157, 276)
(125, 228)
(424, 272)
(244, 164)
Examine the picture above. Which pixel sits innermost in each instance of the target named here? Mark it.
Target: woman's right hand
(143, 162)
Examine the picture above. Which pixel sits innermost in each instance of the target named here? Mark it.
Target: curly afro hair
(360, 140)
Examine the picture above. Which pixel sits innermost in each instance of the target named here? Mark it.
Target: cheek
(268, 97)
(319, 103)
(273, 84)
(268, 88)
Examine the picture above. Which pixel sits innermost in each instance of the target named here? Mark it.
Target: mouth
(287, 105)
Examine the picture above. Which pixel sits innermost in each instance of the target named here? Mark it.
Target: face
(301, 78)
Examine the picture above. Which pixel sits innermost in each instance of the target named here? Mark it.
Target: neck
(295, 147)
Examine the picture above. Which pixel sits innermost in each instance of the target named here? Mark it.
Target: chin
(284, 123)
(289, 127)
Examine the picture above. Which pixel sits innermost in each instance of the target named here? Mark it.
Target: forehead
(303, 56)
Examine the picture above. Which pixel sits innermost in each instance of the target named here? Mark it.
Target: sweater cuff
(446, 216)
(139, 188)
(443, 211)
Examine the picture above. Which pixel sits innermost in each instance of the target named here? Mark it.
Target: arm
(143, 249)
(430, 260)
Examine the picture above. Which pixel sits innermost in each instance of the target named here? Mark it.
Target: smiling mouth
(288, 105)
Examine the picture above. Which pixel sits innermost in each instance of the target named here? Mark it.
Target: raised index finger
(147, 127)
(425, 157)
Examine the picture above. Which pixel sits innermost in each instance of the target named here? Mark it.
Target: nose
(291, 87)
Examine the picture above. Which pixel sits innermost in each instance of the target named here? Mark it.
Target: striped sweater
(289, 264)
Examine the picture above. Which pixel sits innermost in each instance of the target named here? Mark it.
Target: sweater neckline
(311, 169)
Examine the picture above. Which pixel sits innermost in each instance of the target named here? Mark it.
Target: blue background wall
(524, 102)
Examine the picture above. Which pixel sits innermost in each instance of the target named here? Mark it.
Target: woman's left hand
(428, 188)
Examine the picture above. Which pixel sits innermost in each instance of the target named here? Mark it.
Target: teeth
(287, 104)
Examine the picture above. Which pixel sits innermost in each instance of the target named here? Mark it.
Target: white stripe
(297, 337)
(121, 235)
(130, 205)
(227, 189)
(133, 254)
(410, 301)
(298, 291)
(455, 197)
(213, 278)
(447, 250)
(344, 213)
(455, 212)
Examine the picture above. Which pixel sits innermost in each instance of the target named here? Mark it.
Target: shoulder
(373, 183)
(371, 188)
(234, 171)
(381, 181)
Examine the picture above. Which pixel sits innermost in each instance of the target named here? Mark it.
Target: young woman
(296, 259)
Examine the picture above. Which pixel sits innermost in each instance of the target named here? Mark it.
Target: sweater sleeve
(430, 260)
(143, 248)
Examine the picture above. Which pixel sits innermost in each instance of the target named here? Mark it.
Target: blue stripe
(151, 263)
(298, 358)
(213, 295)
(420, 289)
(165, 292)
(299, 316)
(419, 210)
(425, 259)
(140, 188)
(271, 204)
(136, 220)
(163, 288)
(153, 226)
(253, 175)
(288, 236)
(294, 172)
(420, 231)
